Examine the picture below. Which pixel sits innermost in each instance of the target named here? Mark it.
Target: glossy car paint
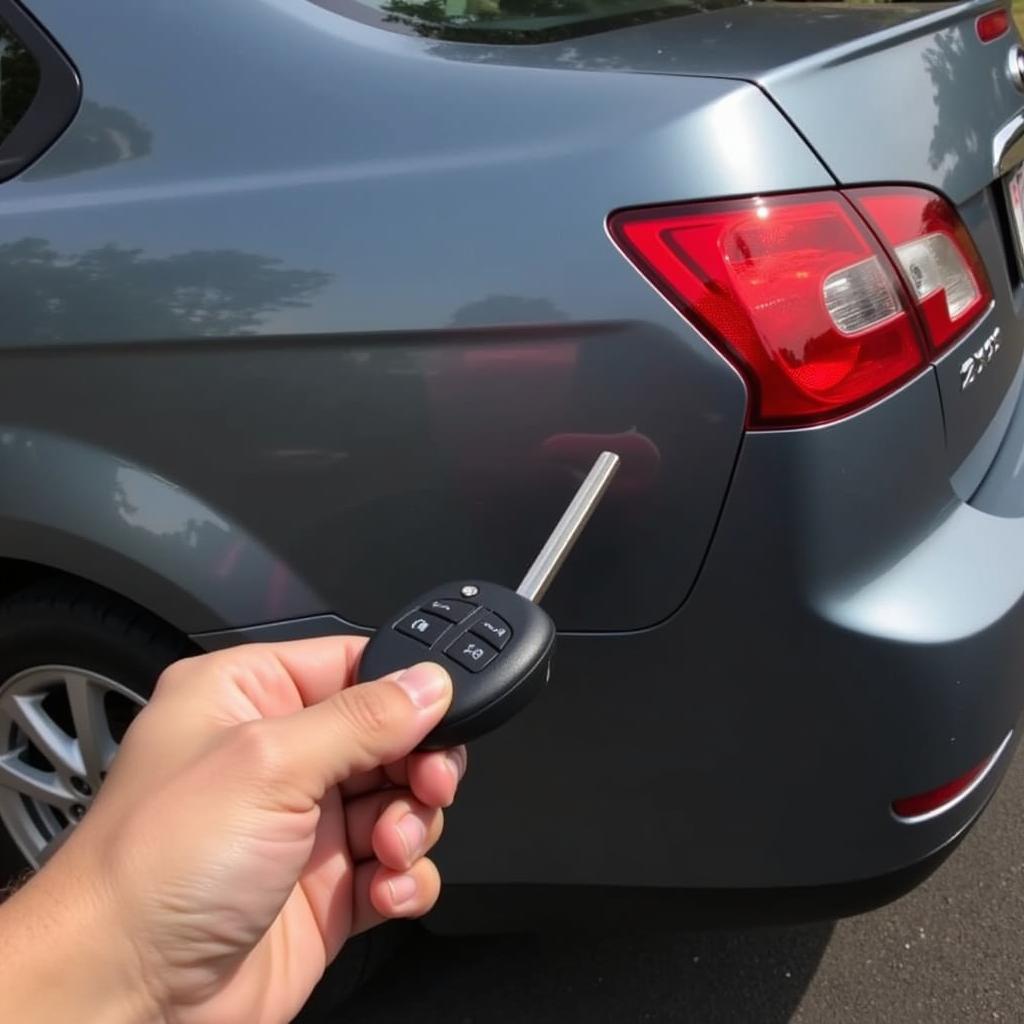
(303, 316)
(360, 422)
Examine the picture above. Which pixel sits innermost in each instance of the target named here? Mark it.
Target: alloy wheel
(60, 727)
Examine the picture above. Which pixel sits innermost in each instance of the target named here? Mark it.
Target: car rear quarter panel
(358, 301)
(273, 282)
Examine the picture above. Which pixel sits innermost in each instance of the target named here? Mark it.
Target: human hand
(260, 812)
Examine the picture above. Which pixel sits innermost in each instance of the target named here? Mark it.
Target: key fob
(495, 644)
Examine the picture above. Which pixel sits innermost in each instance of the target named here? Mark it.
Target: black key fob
(495, 644)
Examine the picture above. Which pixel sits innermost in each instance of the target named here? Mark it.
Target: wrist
(64, 955)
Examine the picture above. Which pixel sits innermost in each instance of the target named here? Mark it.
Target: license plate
(1015, 190)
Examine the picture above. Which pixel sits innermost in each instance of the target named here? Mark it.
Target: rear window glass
(536, 21)
(515, 21)
(19, 80)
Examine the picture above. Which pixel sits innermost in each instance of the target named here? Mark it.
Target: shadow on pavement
(702, 977)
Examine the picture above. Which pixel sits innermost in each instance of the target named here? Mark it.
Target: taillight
(992, 25)
(798, 293)
(936, 255)
(792, 289)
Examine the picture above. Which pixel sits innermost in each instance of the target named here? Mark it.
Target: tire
(66, 623)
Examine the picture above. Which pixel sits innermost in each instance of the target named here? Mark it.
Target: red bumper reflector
(992, 25)
(935, 801)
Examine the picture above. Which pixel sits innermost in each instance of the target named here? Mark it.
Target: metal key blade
(557, 547)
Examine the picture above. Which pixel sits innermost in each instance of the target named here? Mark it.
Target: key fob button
(470, 652)
(449, 608)
(422, 626)
(492, 628)
(495, 672)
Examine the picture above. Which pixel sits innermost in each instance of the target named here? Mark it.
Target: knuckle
(189, 671)
(175, 673)
(256, 746)
(366, 710)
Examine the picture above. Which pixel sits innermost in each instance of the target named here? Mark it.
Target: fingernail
(425, 684)
(413, 833)
(402, 889)
(456, 764)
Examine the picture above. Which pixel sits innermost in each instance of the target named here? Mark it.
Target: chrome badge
(974, 365)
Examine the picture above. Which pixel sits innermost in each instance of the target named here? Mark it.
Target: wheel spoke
(52, 741)
(96, 747)
(46, 787)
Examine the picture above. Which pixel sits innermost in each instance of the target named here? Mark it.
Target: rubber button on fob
(450, 609)
(422, 626)
(471, 653)
(493, 629)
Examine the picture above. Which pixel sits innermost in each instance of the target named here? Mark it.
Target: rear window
(542, 21)
(19, 80)
(515, 21)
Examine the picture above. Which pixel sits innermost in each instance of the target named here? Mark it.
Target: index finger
(270, 678)
(321, 666)
(199, 697)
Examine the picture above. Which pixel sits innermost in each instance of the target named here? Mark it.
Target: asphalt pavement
(951, 952)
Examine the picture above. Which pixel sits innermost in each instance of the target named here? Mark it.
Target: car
(308, 306)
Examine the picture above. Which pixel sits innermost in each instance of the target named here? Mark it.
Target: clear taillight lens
(861, 296)
(932, 264)
(936, 255)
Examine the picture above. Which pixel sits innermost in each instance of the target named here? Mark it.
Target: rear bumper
(856, 636)
(496, 909)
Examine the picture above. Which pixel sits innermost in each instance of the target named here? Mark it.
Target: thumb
(361, 727)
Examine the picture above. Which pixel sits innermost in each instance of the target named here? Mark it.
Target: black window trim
(54, 104)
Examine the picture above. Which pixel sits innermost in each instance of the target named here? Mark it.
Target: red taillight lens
(992, 25)
(793, 289)
(936, 255)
